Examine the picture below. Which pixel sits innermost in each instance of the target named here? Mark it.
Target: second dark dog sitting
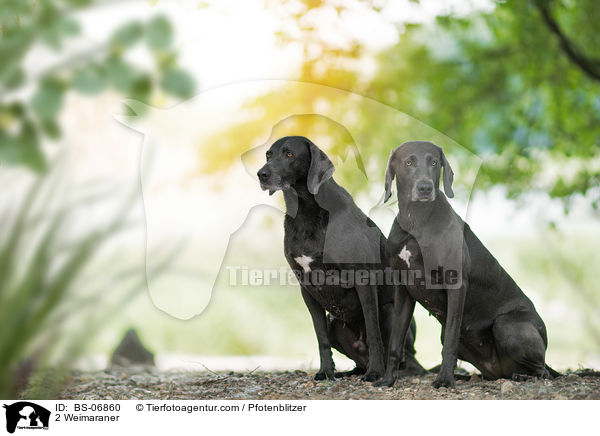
(326, 232)
(486, 318)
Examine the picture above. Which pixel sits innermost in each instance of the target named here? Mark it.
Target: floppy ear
(321, 168)
(448, 176)
(389, 176)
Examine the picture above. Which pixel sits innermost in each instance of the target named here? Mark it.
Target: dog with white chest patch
(326, 235)
(486, 318)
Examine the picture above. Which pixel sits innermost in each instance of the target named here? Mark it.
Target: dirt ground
(140, 384)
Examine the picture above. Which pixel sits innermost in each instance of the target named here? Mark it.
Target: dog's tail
(553, 373)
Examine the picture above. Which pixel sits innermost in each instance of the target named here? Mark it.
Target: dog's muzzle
(266, 183)
(264, 175)
(423, 191)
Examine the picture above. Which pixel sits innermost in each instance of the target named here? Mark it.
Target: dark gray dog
(486, 319)
(327, 235)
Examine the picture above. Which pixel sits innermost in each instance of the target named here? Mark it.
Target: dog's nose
(263, 174)
(424, 188)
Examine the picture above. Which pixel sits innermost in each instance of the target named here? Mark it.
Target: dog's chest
(406, 255)
(303, 243)
(408, 261)
(304, 253)
(305, 256)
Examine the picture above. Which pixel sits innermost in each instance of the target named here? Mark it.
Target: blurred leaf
(128, 34)
(16, 109)
(120, 74)
(134, 108)
(141, 88)
(22, 149)
(78, 3)
(31, 153)
(52, 37)
(12, 76)
(69, 26)
(178, 83)
(88, 80)
(10, 152)
(47, 100)
(53, 26)
(51, 129)
(165, 59)
(159, 33)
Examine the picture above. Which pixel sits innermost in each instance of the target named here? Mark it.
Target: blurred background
(130, 133)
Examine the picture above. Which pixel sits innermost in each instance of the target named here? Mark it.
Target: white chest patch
(405, 256)
(304, 261)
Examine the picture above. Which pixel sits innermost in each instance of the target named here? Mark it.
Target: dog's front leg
(404, 307)
(456, 303)
(367, 295)
(317, 313)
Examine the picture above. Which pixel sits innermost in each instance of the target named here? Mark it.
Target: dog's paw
(387, 381)
(371, 376)
(443, 382)
(325, 374)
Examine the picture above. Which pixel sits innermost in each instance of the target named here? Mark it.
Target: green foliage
(33, 284)
(127, 35)
(46, 102)
(25, 24)
(501, 84)
(48, 281)
(88, 80)
(118, 73)
(20, 148)
(159, 34)
(178, 83)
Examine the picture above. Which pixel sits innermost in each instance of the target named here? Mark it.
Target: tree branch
(590, 67)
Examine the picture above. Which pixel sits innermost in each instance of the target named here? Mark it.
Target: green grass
(51, 304)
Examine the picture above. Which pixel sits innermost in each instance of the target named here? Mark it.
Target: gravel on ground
(146, 383)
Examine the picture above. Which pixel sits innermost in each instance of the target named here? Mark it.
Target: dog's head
(417, 165)
(293, 161)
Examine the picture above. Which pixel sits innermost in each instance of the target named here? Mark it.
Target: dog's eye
(434, 163)
(408, 163)
(269, 154)
(289, 154)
